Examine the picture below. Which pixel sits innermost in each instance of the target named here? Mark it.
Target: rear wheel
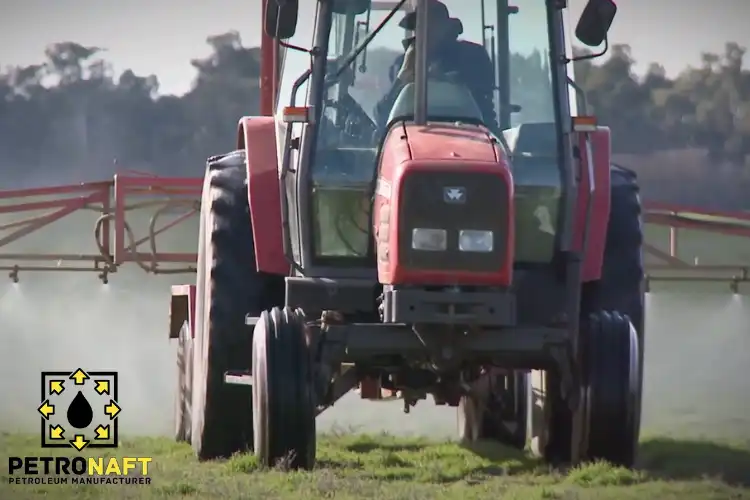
(283, 396)
(228, 289)
(496, 410)
(550, 418)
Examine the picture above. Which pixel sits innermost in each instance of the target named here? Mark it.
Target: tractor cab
(476, 63)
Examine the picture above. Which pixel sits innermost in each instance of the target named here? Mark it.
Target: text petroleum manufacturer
(79, 470)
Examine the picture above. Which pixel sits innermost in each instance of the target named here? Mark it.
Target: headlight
(434, 240)
(472, 240)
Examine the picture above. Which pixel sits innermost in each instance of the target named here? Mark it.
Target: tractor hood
(435, 142)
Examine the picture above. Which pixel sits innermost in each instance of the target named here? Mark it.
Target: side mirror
(281, 18)
(595, 21)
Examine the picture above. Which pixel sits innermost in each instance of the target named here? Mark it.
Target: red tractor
(468, 240)
(496, 266)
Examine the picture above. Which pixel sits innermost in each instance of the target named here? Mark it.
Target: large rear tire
(283, 396)
(228, 289)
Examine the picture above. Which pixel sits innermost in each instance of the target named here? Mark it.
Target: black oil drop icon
(80, 414)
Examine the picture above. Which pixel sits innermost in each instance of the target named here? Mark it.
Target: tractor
(494, 265)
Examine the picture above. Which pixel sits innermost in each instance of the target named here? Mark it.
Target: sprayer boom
(128, 215)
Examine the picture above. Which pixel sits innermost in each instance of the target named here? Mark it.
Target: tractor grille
(424, 204)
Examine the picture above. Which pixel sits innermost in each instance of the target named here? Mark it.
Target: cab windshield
(483, 66)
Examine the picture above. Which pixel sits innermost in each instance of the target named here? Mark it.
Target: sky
(161, 36)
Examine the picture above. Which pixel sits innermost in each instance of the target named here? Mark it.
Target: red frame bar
(114, 201)
(674, 269)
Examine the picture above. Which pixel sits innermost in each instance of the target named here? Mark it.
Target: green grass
(385, 467)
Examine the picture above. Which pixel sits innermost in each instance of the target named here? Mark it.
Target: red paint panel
(257, 136)
(593, 254)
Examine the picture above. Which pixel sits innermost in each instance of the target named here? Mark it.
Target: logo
(454, 195)
(79, 411)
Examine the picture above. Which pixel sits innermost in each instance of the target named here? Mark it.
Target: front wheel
(283, 397)
(612, 388)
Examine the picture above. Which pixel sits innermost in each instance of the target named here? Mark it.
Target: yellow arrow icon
(79, 376)
(56, 432)
(56, 386)
(102, 386)
(78, 442)
(46, 409)
(102, 432)
(112, 409)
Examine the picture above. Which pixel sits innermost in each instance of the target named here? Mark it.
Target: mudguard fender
(593, 254)
(256, 135)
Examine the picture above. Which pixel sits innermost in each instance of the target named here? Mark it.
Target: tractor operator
(448, 55)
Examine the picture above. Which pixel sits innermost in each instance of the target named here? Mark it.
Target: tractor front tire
(228, 288)
(283, 394)
(183, 401)
(611, 382)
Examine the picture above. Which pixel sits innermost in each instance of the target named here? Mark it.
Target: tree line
(70, 118)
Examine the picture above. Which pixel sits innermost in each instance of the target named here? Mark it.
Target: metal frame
(672, 268)
(116, 241)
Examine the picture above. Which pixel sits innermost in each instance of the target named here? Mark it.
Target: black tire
(621, 285)
(489, 419)
(623, 273)
(228, 289)
(183, 399)
(610, 378)
(620, 289)
(283, 397)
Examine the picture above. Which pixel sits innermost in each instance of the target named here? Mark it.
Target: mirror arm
(586, 57)
(580, 95)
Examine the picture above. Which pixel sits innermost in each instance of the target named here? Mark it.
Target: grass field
(385, 467)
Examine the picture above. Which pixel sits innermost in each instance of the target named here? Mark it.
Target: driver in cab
(447, 55)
